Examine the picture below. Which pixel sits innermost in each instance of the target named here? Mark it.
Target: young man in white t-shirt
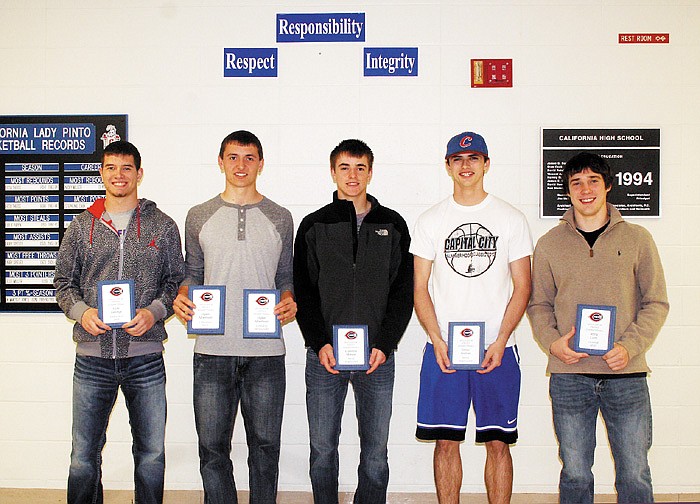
(475, 250)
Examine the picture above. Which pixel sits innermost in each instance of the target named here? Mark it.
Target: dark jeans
(220, 383)
(626, 409)
(325, 400)
(96, 382)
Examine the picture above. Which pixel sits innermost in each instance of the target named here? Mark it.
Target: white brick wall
(161, 63)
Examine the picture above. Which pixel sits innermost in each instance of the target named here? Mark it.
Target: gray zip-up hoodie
(150, 254)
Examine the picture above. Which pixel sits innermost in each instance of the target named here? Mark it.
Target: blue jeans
(626, 409)
(96, 382)
(220, 383)
(325, 399)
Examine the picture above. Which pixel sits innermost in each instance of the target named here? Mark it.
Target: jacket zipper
(590, 249)
(355, 245)
(122, 239)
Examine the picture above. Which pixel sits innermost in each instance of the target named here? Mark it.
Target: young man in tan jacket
(594, 257)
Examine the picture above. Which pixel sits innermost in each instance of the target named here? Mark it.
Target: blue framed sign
(595, 329)
(210, 309)
(351, 347)
(259, 319)
(390, 61)
(116, 302)
(466, 344)
(321, 27)
(250, 62)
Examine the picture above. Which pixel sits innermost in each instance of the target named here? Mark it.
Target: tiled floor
(36, 496)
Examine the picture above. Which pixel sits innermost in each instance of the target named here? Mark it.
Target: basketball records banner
(633, 156)
(51, 173)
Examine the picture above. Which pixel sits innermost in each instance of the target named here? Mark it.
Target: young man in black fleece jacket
(351, 267)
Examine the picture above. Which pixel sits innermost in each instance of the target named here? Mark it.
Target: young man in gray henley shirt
(242, 240)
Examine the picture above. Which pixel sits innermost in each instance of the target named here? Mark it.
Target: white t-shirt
(471, 248)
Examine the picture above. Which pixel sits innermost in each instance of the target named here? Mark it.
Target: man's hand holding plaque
(351, 347)
(595, 329)
(465, 345)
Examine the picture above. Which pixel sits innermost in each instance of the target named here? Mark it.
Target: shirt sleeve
(654, 306)
(194, 255)
(541, 308)
(399, 306)
(172, 274)
(306, 291)
(521, 239)
(69, 264)
(284, 275)
(422, 242)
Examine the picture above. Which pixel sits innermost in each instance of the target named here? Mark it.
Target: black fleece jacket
(342, 276)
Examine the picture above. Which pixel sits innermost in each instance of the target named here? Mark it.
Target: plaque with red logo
(351, 347)
(209, 309)
(465, 345)
(115, 302)
(595, 329)
(259, 319)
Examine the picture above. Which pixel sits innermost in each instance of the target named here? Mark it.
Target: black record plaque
(633, 156)
(50, 167)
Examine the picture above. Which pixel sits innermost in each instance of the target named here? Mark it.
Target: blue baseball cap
(467, 142)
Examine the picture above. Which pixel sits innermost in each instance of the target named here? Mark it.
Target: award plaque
(115, 302)
(465, 345)
(351, 347)
(210, 309)
(595, 329)
(259, 319)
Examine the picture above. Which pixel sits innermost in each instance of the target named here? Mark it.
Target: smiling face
(120, 176)
(241, 164)
(351, 175)
(467, 169)
(588, 196)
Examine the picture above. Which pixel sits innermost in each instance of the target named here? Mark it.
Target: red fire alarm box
(492, 73)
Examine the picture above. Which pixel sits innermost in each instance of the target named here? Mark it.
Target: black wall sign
(633, 155)
(50, 168)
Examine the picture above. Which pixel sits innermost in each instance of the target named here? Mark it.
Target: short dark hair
(241, 137)
(123, 148)
(353, 147)
(586, 160)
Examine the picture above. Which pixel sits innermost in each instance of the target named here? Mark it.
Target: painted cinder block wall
(161, 63)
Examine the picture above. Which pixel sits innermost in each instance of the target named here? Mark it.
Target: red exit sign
(643, 38)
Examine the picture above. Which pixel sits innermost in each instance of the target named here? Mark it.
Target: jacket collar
(614, 213)
(98, 206)
(370, 198)
(97, 209)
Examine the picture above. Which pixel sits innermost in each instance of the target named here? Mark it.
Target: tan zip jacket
(622, 268)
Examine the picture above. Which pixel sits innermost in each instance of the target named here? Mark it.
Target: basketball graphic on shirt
(470, 249)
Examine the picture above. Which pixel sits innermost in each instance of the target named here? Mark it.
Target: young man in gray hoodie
(119, 238)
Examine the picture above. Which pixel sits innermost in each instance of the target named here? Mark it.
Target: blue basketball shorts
(444, 400)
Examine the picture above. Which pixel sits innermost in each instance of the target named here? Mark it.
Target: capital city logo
(470, 250)
(207, 296)
(351, 335)
(596, 316)
(116, 291)
(262, 300)
(467, 333)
